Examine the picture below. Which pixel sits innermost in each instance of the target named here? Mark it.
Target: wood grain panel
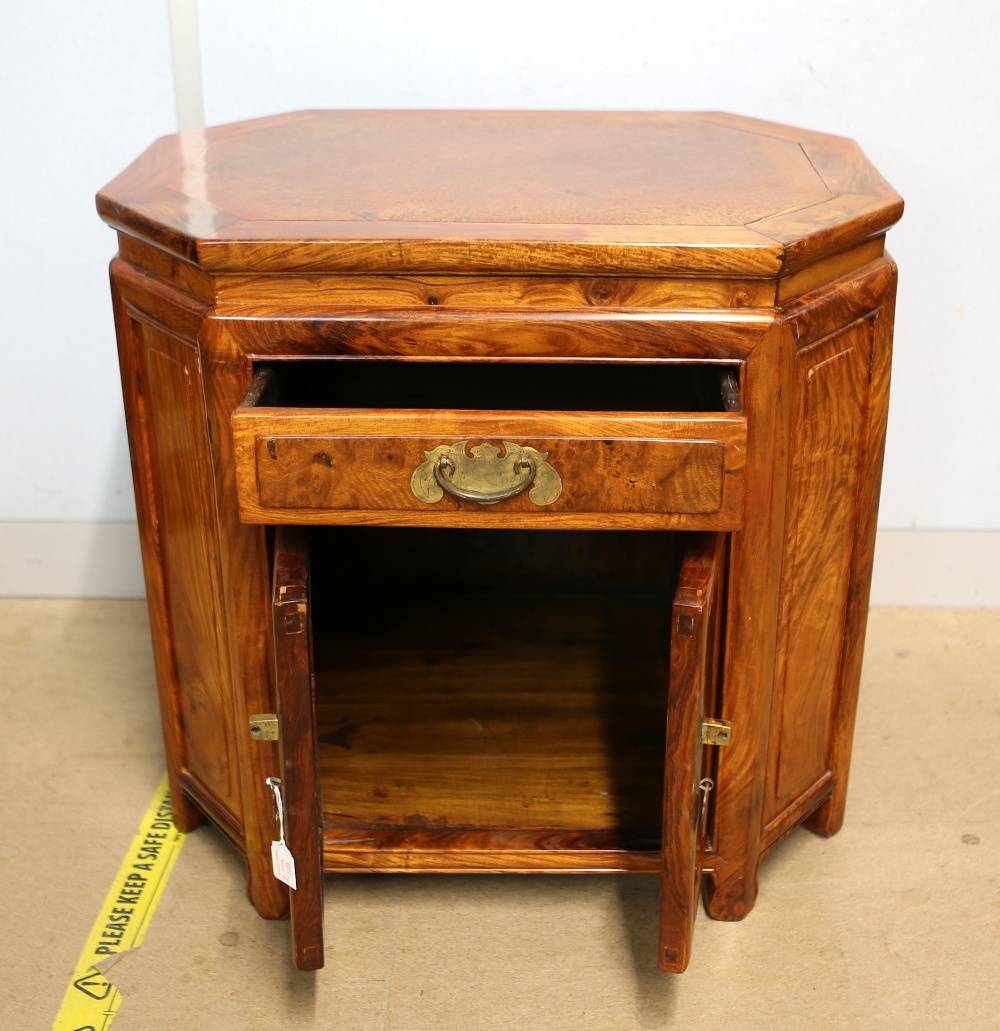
(185, 511)
(830, 816)
(454, 291)
(754, 572)
(245, 587)
(694, 646)
(829, 227)
(530, 193)
(837, 304)
(348, 850)
(332, 470)
(484, 247)
(463, 292)
(822, 273)
(525, 717)
(832, 384)
(293, 667)
(491, 334)
(144, 472)
(372, 473)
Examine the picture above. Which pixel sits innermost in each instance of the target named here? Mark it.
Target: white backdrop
(86, 87)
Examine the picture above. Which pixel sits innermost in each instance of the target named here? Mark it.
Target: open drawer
(343, 441)
(464, 701)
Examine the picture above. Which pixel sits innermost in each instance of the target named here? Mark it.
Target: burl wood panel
(310, 466)
(694, 647)
(830, 410)
(184, 514)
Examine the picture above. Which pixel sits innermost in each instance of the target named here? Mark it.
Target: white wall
(86, 87)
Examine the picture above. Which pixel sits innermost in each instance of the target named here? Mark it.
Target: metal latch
(264, 726)
(716, 732)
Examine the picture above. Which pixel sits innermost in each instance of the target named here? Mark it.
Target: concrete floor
(893, 923)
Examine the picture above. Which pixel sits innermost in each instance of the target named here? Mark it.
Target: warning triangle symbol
(93, 984)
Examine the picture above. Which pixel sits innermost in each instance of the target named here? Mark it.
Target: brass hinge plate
(264, 726)
(716, 732)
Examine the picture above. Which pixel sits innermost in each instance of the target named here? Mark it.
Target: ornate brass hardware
(264, 726)
(716, 732)
(483, 475)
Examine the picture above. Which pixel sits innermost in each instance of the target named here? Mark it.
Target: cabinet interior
(510, 385)
(489, 690)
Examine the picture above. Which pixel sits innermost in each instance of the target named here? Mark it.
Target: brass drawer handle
(483, 476)
(444, 470)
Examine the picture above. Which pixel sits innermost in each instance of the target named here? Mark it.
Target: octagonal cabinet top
(527, 192)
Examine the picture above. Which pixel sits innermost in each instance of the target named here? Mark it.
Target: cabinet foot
(829, 817)
(730, 894)
(186, 814)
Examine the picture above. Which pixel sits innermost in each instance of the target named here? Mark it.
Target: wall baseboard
(950, 568)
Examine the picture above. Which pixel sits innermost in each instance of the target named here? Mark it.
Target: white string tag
(282, 862)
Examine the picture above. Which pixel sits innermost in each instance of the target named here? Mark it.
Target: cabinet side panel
(179, 445)
(830, 409)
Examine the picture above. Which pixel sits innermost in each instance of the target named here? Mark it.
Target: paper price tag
(282, 863)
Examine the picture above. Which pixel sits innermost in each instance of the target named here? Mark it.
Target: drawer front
(591, 469)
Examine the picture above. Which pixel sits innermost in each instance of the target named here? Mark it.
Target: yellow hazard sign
(91, 1000)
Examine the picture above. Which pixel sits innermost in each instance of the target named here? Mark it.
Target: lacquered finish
(502, 191)
(354, 467)
(668, 243)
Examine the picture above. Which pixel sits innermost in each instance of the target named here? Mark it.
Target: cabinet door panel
(292, 629)
(694, 650)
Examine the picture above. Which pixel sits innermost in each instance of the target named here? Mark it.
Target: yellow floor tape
(91, 1001)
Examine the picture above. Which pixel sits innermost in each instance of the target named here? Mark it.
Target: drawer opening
(671, 457)
(487, 692)
(535, 385)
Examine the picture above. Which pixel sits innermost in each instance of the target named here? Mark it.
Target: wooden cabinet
(525, 466)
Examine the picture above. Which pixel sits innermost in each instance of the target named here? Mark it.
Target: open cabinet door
(292, 630)
(694, 650)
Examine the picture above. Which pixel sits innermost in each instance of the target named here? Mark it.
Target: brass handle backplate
(483, 476)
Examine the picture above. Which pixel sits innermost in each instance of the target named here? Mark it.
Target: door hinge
(716, 732)
(264, 726)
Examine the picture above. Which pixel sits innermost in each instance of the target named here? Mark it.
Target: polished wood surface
(355, 467)
(607, 242)
(832, 381)
(534, 192)
(695, 636)
(300, 790)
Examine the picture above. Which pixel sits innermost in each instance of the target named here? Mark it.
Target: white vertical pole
(187, 64)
